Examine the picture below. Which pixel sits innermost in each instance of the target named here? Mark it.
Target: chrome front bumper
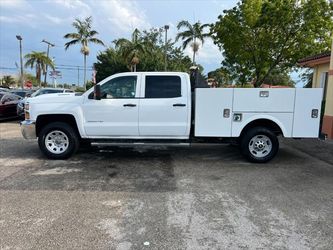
(28, 129)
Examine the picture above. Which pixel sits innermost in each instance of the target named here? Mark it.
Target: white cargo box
(296, 111)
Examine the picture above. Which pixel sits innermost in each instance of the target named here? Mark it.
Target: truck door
(164, 107)
(116, 114)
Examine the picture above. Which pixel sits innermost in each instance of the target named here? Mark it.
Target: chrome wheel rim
(260, 146)
(56, 142)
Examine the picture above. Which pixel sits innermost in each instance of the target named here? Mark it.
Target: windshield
(46, 91)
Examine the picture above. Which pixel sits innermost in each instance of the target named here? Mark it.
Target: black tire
(257, 137)
(69, 131)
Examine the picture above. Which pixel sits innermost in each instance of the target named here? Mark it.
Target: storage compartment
(213, 112)
(307, 112)
(264, 100)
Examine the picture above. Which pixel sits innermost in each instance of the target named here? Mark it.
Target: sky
(36, 20)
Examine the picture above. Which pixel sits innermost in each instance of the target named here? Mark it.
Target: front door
(116, 114)
(164, 109)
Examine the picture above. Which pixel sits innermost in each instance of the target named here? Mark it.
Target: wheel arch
(43, 120)
(271, 124)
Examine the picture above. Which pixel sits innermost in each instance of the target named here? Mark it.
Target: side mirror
(97, 92)
(28, 95)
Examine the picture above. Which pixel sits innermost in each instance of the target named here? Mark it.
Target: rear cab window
(159, 86)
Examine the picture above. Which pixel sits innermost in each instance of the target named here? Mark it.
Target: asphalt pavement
(205, 197)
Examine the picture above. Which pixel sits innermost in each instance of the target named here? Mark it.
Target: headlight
(26, 107)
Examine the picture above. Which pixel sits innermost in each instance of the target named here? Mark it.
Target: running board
(142, 142)
(133, 144)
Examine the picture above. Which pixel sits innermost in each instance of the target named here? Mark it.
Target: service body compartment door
(264, 100)
(213, 112)
(307, 112)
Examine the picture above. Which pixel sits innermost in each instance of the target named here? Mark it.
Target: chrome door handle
(179, 105)
(129, 105)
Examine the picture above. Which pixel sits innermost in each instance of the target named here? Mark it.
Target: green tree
(191, 35)
(132, 49)
(7, 81)
(277, 77)
(259, 36)
(221, 76)
(109, 62)
(84, 35)
(114, 60)
(39, 60)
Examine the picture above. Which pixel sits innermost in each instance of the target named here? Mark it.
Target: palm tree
(191, 35)
(131, 49)
(7, 81)
(84, 36)
(39, 60)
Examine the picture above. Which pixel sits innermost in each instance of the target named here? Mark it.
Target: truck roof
(152, 73)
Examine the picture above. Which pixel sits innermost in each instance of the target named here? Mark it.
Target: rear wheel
(259, 144)
(58, 140)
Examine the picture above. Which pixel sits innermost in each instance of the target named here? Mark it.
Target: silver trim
(260, 146)
(132, 144)
(264, 94)
(28, 129)
(56, 142)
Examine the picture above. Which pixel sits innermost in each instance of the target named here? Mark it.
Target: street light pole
(166, 27)
(48, 50)
(18, 37)
(78, 76)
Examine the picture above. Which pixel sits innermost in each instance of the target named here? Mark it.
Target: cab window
(120, 87)
(163, 87)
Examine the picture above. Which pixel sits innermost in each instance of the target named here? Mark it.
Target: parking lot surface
(205, 197)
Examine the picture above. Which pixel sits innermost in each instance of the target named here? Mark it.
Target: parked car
(8, 103)
(21, 92)
(159, 108)
(41, 91)
(4, 89)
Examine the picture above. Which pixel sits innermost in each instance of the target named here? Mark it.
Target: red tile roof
(315, 57)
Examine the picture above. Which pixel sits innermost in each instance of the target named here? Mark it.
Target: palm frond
(184, 35)
(72, 36)
(96, 41)
(70, 43)
(92, 33)
(184, 24)
(205, 25)
(187, 42)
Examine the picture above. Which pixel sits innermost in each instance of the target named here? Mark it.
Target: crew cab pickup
(152, 108)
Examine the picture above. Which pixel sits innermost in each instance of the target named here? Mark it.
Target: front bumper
(28, 129)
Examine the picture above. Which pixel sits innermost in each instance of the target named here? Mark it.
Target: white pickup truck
(157, 108)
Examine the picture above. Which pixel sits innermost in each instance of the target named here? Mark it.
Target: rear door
(164, 106)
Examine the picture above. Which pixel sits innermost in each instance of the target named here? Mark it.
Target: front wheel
(259, 144)
(58, 140)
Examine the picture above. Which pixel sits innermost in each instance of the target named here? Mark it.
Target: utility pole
(78, 76)
(18, 37)
(166, 27)
(48, 50)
